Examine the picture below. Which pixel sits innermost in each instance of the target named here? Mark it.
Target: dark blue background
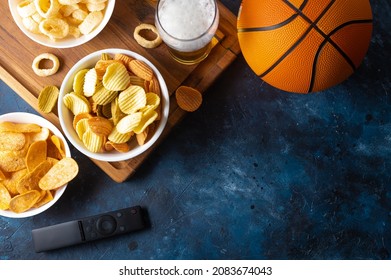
(255, 173)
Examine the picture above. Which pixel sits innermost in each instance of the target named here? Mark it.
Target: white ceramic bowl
(20, 117)
(67, 42)
(66, 116)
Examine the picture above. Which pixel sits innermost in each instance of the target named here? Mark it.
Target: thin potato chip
(59, 144)
(5, 197)
(47, 98)
(24, 202)
(119, 147)
(42, 135)
(36, 155)
(142, 137)
(46, 196)
(30, 180)
(60, 174)
(19, 127)
(12, 141)
(12, 182)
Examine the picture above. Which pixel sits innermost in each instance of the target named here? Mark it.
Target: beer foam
(187, 19)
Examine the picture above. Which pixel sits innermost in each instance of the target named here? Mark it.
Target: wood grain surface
(18, 52)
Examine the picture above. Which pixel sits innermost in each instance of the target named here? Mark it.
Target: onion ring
(150, 44)
(45, 72)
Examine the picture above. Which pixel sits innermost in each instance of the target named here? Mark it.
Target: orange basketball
(304, 45)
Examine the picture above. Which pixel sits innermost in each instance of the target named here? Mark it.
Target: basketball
(304, 46)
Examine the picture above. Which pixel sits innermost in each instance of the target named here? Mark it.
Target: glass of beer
(187, 27)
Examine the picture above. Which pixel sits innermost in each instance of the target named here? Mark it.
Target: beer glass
(187, 27)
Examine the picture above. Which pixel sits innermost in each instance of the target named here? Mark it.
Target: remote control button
(122, 228)
(133, 211)
(106, 225)
(119, 215)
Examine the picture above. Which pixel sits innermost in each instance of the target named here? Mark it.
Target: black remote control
(88, 229)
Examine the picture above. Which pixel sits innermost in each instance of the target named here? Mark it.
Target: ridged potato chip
(78, 81)
(132, 99)
(125, 59)
(60, 174)
(100, 126)
(117, 137)
(146, 120)
(81, 127)
(90, 82)
(93, 142)
(24, 202)
(80, 116)
(128, 123)
(188, 99)
(104, 96)
(47, 98)
(119, 147)
(76, 103)
(116, 77)
(141, 69)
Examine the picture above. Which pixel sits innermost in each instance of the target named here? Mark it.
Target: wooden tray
(18, 52)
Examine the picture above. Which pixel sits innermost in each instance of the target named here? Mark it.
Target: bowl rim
(71, 134)
(21, 117)
(65, 43)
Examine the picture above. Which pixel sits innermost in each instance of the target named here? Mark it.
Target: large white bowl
(20, 117)
(66, 116)
(67, 42)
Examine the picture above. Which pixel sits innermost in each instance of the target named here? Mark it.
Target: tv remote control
(89, 229)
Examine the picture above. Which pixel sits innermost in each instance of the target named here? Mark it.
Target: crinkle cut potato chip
(47, 98)
(28, 153)
(123, 99)
(188, 98)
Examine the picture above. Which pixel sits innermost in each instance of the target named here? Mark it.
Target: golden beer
(187, 27)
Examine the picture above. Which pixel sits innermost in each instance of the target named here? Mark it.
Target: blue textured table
(255, 173)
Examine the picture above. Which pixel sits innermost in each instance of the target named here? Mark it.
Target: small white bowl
(66, 116)
(21, 117)
(67, 42)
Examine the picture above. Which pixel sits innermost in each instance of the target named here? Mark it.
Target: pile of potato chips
(58, 19)
(115, 100)
(33, 165)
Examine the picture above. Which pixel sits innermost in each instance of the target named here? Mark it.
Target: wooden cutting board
(18, 52)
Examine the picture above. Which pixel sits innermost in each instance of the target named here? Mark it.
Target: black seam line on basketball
(329, 40)
(291, 49)
(267, 28)
(276, 26)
